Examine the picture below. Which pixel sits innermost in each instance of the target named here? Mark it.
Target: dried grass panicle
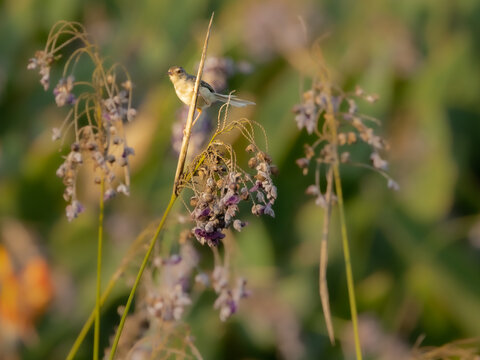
(144, 340)
(332, 117)
(352, 127)
(170, 285)
(465, 349)
(99, 108)
(219, 184)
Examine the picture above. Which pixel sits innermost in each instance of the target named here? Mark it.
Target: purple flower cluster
(337, 109)
(63, 92)
(264, 189)
(228, 297)
(101, 142)
(168, 298)
(98, 112)
(43, 62)
(306, 113)
(216, 207)
(116, 107)
(91, 147)
(216, 204)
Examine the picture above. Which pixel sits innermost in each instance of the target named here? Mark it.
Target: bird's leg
(194, 121)
(198, 116)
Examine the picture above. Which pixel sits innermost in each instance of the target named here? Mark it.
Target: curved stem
(348, 264)
(131, 253)
(139, 276)
(330, 118)
(90, 320)
(96, 332)
(332, 124)
(322, 276)
(96, 337)
(191, 112)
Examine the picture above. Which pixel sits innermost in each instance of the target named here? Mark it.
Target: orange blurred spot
(23, 296)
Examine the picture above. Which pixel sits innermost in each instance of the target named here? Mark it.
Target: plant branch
(332, 124)
(96, 337)
(346, 248)
(323, 288)
(178, 174)
(348, 264)
(96, 332)
(131, 253)
(91, 318)
(139, 276)
(191, 112)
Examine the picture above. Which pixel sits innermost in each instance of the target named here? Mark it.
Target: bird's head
(176, 72)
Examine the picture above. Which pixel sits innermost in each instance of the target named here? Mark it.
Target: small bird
(184, 84)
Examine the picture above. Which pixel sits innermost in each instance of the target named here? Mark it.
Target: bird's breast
(184, 93)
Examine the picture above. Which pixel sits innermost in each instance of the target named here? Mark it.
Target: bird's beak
(169, 72)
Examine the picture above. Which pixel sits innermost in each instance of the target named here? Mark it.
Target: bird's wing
(207, 85)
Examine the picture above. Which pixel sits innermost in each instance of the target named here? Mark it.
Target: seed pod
(351, 137)
(260, 177)
(274, 170)
(302, 163)
(250, 148)
(111, 158)
(193, 201)
(207, 197)
(244, 194)
(75, 147)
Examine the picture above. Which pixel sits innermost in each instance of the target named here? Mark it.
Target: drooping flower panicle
(220, 187)
(352, 127)
(100, 107)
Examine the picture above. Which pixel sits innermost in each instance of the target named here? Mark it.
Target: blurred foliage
(415, 252)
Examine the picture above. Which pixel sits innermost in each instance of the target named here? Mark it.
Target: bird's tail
(233, 100)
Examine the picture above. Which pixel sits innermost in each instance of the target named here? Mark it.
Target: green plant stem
(348, 264)
(90, 320)
(174, 196)
(332, 124)
(191, 111)
(139, 276)
(96, 336)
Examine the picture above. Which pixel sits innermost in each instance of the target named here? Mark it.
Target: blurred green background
(415, 252)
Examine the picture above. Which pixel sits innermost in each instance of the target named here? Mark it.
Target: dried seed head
(351, 138)
(111, 158)
(328, 103)
(309, 151)
(95, 119)
(193, 201)
(345, 157)
(250, 148)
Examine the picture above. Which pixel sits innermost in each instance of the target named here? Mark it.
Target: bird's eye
(178, 71)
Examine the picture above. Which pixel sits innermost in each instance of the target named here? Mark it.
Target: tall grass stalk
(348, 264)
(332, 125)
(96, 337)
(174, 196)
(139, 276)
(135, 247)
(331, 115)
